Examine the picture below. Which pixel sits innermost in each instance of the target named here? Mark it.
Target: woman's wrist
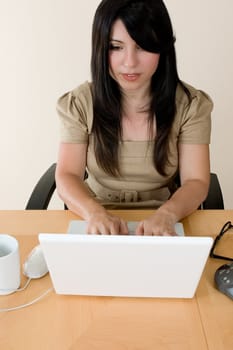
(168, 212)
(92, 209)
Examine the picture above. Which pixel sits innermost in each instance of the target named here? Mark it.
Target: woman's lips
(130, 77)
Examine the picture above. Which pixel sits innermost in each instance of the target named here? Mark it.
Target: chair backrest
(43, 191)
(45, 187)
(214, 199)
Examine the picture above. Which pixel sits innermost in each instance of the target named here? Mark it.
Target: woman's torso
(139, 183)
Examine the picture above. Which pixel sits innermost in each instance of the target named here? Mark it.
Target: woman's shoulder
(75, 109)
(80, 98)
(193, 114)
(187, 94)
(80, 93)
(83, 89)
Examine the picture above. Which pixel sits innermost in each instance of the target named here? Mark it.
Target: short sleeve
(196, 119)
(75, 110)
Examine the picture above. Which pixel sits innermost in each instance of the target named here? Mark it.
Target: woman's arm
(70, 172)
(194, 171)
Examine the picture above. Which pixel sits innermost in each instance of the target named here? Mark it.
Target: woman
(135, 127)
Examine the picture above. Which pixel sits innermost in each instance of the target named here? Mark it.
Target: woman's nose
(130, 58)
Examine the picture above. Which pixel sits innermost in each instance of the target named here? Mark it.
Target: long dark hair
(149, 25)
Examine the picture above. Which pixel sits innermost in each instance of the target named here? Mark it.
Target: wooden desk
(105, 323)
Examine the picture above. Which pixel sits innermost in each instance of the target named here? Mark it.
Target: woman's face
(130, 66)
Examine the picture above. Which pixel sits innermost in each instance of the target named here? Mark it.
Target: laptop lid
(127, 266)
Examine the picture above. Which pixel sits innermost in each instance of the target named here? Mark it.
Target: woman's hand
(161, 223)
(104, 223)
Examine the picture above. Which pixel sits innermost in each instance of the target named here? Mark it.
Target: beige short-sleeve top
(140, 185)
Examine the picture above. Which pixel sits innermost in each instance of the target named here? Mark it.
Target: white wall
(45, 51)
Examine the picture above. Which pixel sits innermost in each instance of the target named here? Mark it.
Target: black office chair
(43, 191)
(45, 187)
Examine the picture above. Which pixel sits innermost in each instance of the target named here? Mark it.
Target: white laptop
(124, 265)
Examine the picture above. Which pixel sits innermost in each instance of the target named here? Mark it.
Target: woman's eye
(115, 47)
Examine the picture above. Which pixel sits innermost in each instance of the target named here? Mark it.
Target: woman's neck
(135, 103)
(135, 117)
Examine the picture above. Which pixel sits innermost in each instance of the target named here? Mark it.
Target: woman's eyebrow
(118, 41)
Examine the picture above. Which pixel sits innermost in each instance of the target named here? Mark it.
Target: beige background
(45, 51)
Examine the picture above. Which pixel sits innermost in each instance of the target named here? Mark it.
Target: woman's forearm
(72, 190)
(186, 199)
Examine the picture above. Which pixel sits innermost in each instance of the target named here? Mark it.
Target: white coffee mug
(9, 264)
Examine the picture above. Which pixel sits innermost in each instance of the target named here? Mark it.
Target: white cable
(25, 286)
(29, 303)
(19, 289)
